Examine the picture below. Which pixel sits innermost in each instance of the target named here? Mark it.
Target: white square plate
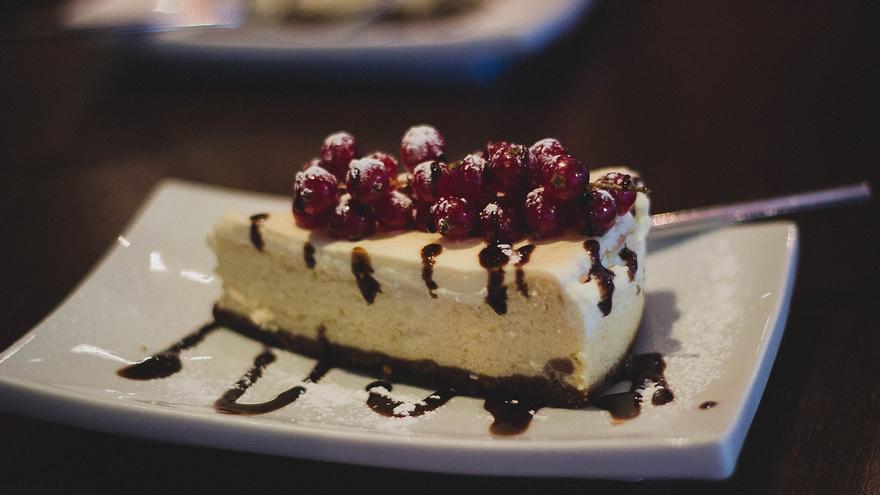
(716, 309)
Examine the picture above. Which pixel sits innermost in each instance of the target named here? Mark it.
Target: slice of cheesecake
(549, 319)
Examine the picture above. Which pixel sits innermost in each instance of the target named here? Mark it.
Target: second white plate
(476, 45)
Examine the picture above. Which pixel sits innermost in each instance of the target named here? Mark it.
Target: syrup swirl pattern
(511, 414)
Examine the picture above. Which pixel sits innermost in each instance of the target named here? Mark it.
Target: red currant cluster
(501, 192)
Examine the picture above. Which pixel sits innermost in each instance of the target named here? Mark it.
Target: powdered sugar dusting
(532, 196)
(420, 137)
(423, 168)
(327, 401)
(697, 343)
(405, 408)
(545, 142)
(314, 170)
(363, 164)
(338, 138)
(399, 199)
(342, 205)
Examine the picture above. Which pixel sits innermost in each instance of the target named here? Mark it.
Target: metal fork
(686, 221)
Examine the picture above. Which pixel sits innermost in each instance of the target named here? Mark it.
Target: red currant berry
(597, 212)
(499, 223)
(471, 184)
(494, 146)
(338, 151)
(367, 180)
(351, 219)
(564, 177)
(427, 177)
(543, 214)
(315, 190)
(506, 167)
(389, 161)
(625, 199)
(394, 211)
(306, 220)
(540, 153)
(450, 181)
(453, 217)
(419, 144)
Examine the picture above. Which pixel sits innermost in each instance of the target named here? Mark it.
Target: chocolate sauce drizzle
(493, 258)
(604, 276)
(309, 254)
(641, 370)
(631, 260)
(166, 363)
(387, 406)
(228, 402)
(429, 257)
(709, 404)
(363, 274)
(257, 236)
(512, 416)
(524, 252)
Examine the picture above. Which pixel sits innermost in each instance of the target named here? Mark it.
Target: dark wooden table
(713, 101)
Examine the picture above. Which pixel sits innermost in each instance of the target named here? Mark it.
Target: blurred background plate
(383, 40)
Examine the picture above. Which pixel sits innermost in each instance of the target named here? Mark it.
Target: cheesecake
(552, 318)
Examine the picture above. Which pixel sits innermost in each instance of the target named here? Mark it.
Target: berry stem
(614, 187)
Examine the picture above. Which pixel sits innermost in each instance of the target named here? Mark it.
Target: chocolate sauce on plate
(363, 274)
(387, 406)
(604, 276)
(709, 404)
(309, 254)
(228, 402)
(642, 370)
(512, 415)
(256, 235)
(166, 363)
(429, 257)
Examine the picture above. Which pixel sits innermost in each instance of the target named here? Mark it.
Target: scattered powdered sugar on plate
(329, 402)
(708, 313)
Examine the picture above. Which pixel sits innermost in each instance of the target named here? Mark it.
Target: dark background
(713, 101)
